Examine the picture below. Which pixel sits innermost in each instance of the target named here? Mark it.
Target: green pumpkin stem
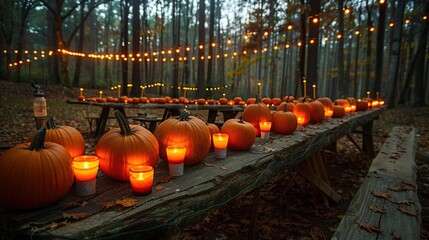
(50, 123)
(38, 140)
(184, 115)
(124, 125)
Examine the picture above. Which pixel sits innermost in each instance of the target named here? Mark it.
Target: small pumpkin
(66, 136)
(327, 105)
(266, 101)
(276, 101)
(187, 131)
(201, 101)
(223, 101)
(317, 112)
(255, 113)
(288, 99)
(36, 174)
(286, 106)
(241, 134)
(284, 122)
(237, 100)
(124, 147)
(361, 105)
(338, 111)
(251, 101)
(345, 103)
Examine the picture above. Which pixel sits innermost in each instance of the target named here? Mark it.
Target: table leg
(367, 142)
(102, 120)
(211, 118)
(122, 110)
(229, 115)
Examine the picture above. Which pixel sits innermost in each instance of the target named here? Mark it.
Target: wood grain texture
(184, 199)
(392, 168)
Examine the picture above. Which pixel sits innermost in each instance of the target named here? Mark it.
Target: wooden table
(170, 109)
(184, 199)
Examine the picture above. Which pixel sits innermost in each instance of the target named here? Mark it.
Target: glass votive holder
(220, 143)
(265, 128)
(85, 169)
(141, 178)
(176, 159)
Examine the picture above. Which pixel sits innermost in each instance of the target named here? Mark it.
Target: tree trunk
(313, 48)
(78, 66)
(379, 48)
(342, 88)
(211, 48)
(135, 89)
(124, 44)
(201, 84)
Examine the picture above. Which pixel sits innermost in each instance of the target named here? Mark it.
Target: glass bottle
(39, 107)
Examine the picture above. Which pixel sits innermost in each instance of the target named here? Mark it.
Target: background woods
(211, 48)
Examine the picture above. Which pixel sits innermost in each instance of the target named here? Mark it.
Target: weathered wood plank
(187, 198)
(389, 187)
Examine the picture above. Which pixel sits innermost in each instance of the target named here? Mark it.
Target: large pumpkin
(187, 131)
(241, 134)
(66, 136)
(213, 128)
(255, 113)
(124, 147)
(36, 174)
(284, 122)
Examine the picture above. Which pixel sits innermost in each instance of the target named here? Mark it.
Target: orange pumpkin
(345, 103)
(303, 113)
(201, 101)
(143, 100)
(288, 99)
(161, 100)
(255, 113)
(36, 174)
(284, 122)
(187, 131)
(266, 101)
(361, 105)
(124, 147)
(251, 101)
(81, 98)
(327, 105)
(223, 101)
(276, 101)
(286, 106)
(338, 111)
(136, 100)
(213, 128)
(352, 102)
(123, 99)
(237, 100)
(241, 134)
(317, 112)
(66, 136)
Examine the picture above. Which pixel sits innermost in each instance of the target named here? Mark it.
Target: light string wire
(297, 155)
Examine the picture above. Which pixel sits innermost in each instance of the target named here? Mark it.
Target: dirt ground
(289, 208)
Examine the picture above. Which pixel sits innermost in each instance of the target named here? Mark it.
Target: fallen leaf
(403, 202)
(368, 227)
(159, 187)
(70, 205)
(166, 179)
(385, 195)
(408, 212)
(223, 167)
(377, 209)
(395, 235)
(403, 186)
(75, 216)
(267, 149)
(108, 205)
(209, 164)
(126, 202)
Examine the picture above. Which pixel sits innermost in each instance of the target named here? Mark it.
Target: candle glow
(176, 154)
(81, 92)
(141, 178)
(220, 140)
(85, 167)
(265, 126)
(300, 120)
(328, 113)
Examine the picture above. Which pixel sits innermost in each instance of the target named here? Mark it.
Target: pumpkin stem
(124, 125)
(38, 140)
(184, 116)
(50, 124)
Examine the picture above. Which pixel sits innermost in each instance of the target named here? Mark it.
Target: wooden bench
(386, 205)
(151, 121)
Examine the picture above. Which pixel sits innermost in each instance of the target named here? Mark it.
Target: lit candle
(314, 91)
(142, 91)
(305, 87)
(265, 129)
(176, 158)
(141, 178)
(368, 94)
(220, 142)
(85, 169)
(300, 120)
(377, 94)
(374, 103)
(347, 109)
(101, 94)
(81, 92)
(119, 90)
(328, 113)
(259, 89)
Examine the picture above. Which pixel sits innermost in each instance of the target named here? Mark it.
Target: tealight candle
(101, 94)
(81, 92)
(265, 129)
(141, 178)
(220, 142)
(328, 113)
(176, 159)
(85, 169)
(300, 120)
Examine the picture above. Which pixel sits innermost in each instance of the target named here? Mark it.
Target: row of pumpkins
(39, 172)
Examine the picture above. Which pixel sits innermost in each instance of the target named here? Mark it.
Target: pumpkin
(288, 99)
(81, 98)
(361, 105)
(303, 113)
(284, 122)
(255, 113)
(211, 102)
(161, 100)
(327, 105)
(187, 131)
(201, 101)
(266, 101)
(237, 100)
(123, 99)
(168, 99)
(352, 102)
(317, 112)
(36, 174)
(124, 147)
(136, 100)
(345, 103)
(286, 106)
(338, 111)
(241, 134)
(213, 128)
(66, 136)
(251, 101)
(223, 101)
(276, 101)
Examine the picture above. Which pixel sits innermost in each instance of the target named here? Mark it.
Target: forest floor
(289, 208)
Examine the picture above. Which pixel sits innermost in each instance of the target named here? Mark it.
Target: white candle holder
(220, 153)
(175, 169)
(265, 135)
(86, 188)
